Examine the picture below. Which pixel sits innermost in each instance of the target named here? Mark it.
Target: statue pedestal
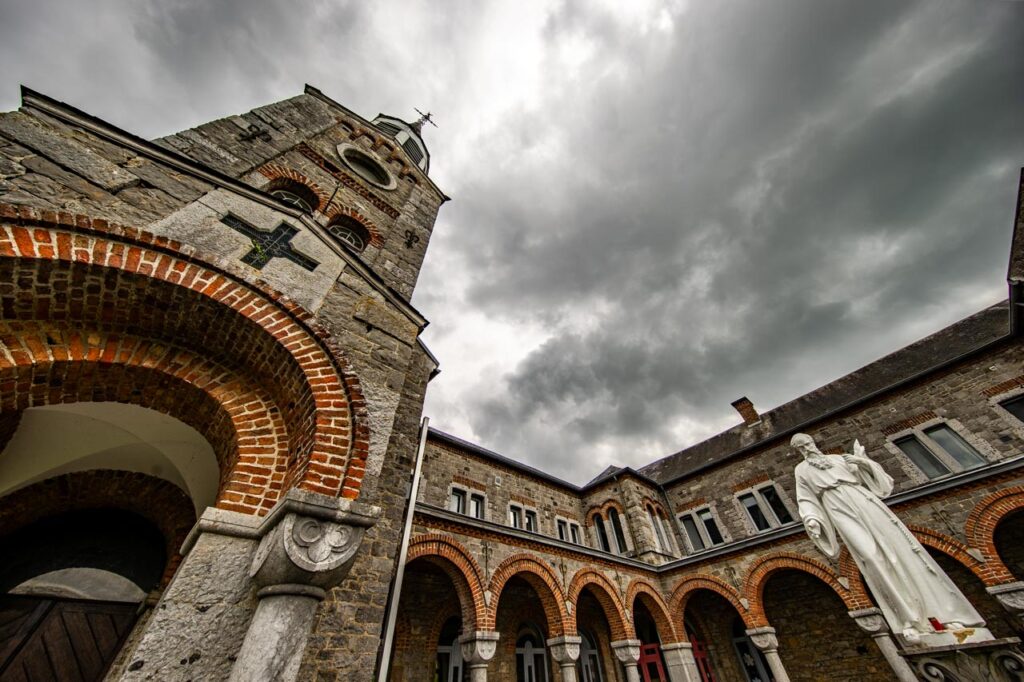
(944, 638)
(998, 660)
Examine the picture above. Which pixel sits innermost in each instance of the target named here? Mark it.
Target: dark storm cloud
(657, 207)
(779, 200)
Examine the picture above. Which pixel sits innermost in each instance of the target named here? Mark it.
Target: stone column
(873, 622)
(764, 639)
(682, 666)
(1010, 596)
(308, 544)
(565, 650)
(628, 653)
(477, 649)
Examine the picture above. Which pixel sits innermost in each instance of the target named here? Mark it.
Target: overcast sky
(658, 207)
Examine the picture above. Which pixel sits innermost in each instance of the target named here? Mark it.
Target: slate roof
(961, 338)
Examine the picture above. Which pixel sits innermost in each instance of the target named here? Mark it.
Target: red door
(700, 655)
(651, 666)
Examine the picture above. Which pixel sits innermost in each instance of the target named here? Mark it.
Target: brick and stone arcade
(214, 465)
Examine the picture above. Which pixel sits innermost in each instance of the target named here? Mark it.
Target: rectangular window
(563, 530)
(711, 526)
(515, 516)
(692, 534)
(771, 496)
(457, 502)
(955, 446)
(476, 506)
(531, 521)
(921, 456)
(755, 512)
(1015, 406)
(574, 531)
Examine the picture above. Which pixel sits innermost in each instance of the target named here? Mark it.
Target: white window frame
(452, 489)
(915, 473)
(527, 513)
(576, 535)
(702, 531)
(569, 526)
(483, 504)
(766, 509)
(522, 515)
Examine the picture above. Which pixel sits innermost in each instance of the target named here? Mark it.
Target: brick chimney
(746, 410)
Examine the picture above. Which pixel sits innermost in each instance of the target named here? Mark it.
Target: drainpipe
(403, 551)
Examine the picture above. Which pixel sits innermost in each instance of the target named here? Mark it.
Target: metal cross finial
(425, 118)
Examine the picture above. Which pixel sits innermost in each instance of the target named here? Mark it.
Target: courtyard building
(214, 465)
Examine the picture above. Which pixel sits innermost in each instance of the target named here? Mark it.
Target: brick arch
(982, 522)
(542, 579)
(991, 572)
(602, 510)
(93, 271)
(649, 596)
(692, 584)
(161, 502)
(282, 175)
(607, 596)
(763, 568)
(450, 556)
(235, 417)
(337, 211)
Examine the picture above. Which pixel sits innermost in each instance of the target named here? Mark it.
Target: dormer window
(350, 232)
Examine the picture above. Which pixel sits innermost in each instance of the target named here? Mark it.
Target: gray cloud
(659, 207)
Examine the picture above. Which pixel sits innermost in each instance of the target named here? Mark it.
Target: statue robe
(906, 582)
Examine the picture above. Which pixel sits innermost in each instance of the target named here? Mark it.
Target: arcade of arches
(531, 618)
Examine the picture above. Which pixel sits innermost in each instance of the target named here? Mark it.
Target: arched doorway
(531, 655)
(449, 653)
(651, 664)
(714, 626)
(806, 612)
(589, 667)
(431, 607)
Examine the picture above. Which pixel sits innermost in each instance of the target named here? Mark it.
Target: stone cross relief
(269, 245)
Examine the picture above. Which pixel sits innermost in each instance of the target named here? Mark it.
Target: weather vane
(425, 118)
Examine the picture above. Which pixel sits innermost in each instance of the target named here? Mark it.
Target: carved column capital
(308, 543)
(627, 650)
(870, 621)
(764, 638)
(478, 647)
(565, 650)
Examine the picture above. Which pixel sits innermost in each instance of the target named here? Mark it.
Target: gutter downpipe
(403, 551)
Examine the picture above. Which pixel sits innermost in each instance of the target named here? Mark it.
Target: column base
(997, 660)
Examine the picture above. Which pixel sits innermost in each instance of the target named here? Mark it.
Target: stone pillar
(308, 544)
(764, 639)
(682, 666)
(565, 650)
(1010, 596)
(628, 653)
(477, 649)
(873, 622)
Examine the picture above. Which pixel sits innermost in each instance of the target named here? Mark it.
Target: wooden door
(651, 667)
(43, 640)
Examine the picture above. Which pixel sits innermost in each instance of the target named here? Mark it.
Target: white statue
(839, 495)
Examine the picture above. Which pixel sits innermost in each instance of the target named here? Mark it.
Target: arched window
(294, 193)
(659, 543)
(602, 534)
(449, 654)
(620, 536)
(530, 663)
(350, 232)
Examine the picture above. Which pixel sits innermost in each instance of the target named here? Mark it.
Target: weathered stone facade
(249, 281)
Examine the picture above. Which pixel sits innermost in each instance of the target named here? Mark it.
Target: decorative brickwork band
(277, 173)
(336, 211)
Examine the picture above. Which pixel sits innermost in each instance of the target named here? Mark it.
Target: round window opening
(350, 232)
(366, 167)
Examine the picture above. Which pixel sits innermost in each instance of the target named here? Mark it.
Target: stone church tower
(209, 341)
